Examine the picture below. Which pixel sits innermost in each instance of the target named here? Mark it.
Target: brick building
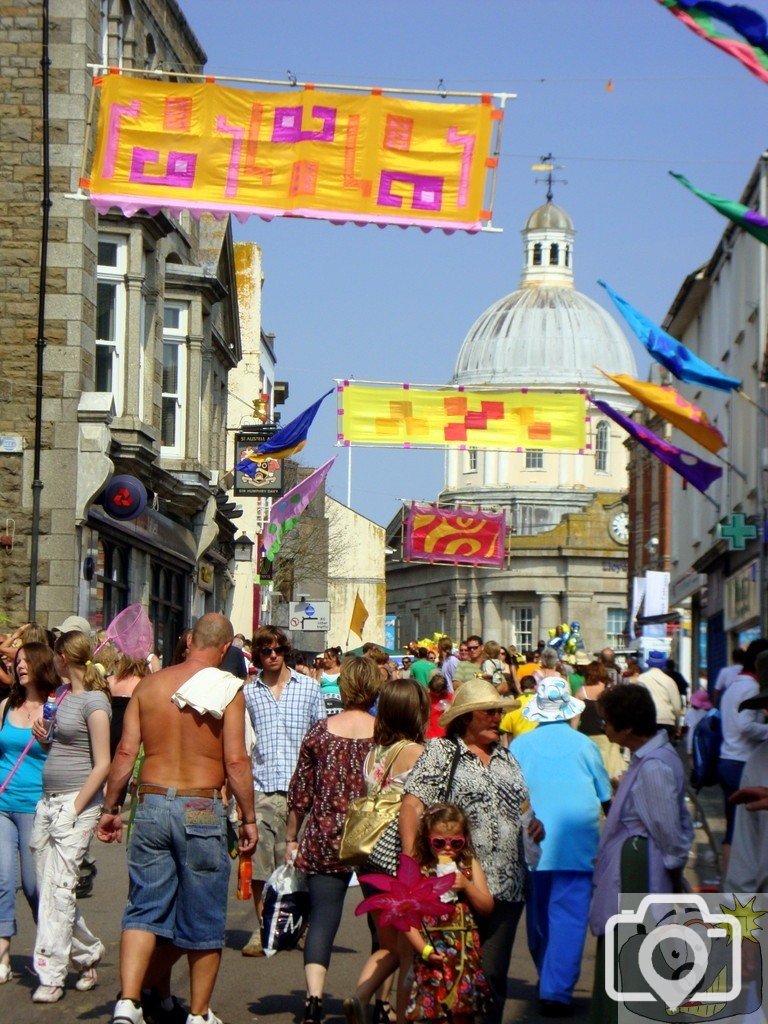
(141, 332)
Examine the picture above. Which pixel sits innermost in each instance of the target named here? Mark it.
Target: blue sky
(396, 305)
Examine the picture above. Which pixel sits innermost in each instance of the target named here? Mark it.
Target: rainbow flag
(286, 511)
(693, 469)
(679, 360)
(677, 410)
(699, 17)
(750, 220)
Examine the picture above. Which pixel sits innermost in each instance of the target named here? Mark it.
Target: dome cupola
(548, 248)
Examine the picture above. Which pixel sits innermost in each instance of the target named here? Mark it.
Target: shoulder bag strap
(393, 756)
(452, 771)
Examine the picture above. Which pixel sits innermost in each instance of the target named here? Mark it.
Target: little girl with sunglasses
(449, 984)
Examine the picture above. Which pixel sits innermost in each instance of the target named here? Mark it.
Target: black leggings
(326, 904)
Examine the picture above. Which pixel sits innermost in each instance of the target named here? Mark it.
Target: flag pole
(743, 394)
(730, 465)
(762, 326)
(349, 476)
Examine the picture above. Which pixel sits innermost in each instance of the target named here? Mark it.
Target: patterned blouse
(492, 797)
(328, 775)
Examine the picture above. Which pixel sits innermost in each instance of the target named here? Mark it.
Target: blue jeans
(556, 920)
(15, 854)
(178, 869)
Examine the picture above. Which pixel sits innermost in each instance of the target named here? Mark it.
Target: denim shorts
(178, 869)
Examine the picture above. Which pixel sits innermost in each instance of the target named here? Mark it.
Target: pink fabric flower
(404, 900)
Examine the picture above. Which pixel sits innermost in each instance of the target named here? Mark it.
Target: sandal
(383, 1012)
(313, 1010)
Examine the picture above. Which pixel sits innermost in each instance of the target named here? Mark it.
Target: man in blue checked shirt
(282, 704)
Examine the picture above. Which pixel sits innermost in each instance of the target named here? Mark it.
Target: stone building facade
(141, 332)
(566, 514)
(721, 313)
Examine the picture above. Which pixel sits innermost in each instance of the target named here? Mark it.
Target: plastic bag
(286, 909)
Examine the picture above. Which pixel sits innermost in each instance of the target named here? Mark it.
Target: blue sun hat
(553, 702)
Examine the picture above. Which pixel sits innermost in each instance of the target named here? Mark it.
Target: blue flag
(680, 361)
(286, 441)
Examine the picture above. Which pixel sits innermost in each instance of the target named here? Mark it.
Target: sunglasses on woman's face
(266, 651)
(454, 843)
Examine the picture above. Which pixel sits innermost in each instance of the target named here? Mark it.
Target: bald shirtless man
(179, 862)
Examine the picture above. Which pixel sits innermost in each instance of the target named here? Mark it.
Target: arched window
(537, 254)
(554, 254)
(602, 437)
(150, 54)
(567, 255)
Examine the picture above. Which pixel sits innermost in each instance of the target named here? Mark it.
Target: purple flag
(693, 469)
(286, 510)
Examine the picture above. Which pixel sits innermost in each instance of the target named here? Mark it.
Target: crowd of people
(471, 742)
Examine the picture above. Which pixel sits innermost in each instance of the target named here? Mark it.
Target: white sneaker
(47, 994)
(199, 1018)
(5, 973)
(127, 1012)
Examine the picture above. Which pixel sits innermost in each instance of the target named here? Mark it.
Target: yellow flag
(359, 617)
(677, 410)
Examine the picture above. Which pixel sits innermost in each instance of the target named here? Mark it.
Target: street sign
(312, 616)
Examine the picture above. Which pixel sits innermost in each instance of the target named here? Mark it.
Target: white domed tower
(544, 336)
(567, 522)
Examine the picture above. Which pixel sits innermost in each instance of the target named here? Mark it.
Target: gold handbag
(368, 816)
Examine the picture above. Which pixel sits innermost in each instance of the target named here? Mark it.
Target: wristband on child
(427, 951)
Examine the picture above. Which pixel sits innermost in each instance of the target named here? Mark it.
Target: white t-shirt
(726, 676)
(743, 731)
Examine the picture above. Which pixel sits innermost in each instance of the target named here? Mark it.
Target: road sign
(312, 616)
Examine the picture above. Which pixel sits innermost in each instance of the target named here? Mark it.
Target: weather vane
(547, 164)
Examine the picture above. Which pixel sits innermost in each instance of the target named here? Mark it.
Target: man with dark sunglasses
(473, 666)
(282, 704)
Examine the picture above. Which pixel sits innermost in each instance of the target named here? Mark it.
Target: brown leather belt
(211, 794)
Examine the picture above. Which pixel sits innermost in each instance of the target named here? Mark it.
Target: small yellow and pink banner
(365, 158)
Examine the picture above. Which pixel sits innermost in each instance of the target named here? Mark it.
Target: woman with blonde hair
(329, 773)
(65, 819)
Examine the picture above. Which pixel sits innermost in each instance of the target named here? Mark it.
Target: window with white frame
(112, 259)
(534, 458)
(104, 32)
(521, 628)
(472, 460)
(615, 626)
(175, 329)
(602, 439)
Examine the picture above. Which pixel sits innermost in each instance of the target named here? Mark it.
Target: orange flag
(677, 410)
(359, 617)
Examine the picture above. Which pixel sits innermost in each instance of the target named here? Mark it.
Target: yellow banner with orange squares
(398, 414)
(366, 158)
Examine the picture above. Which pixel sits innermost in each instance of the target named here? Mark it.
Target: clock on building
(619, 527)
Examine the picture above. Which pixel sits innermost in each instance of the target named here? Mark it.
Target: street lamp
(244, 548)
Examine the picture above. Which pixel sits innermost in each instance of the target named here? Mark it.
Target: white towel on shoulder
(209, 692)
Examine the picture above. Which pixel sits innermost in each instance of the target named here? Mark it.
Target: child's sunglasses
(454, 843)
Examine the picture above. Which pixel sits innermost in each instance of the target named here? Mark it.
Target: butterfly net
(131, 632)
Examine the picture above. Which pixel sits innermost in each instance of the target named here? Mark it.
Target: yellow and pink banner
(366, 158)
(420, 417)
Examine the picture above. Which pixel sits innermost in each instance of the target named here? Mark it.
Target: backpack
(707, 740)
(494, 667)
